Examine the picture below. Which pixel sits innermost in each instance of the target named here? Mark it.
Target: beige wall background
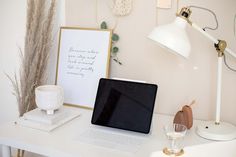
(12, 29)
(179, 80)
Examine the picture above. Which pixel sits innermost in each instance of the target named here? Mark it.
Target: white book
(70, 115)
(39, 115)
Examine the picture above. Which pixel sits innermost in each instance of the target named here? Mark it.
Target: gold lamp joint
(220, 47)
(185, 13)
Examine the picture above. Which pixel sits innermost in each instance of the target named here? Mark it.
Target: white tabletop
(63, 141)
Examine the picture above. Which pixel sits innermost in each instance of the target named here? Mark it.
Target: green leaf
(103, 25)
(115, 37)
(115, 49)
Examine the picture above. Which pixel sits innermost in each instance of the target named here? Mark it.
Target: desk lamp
(174, 38)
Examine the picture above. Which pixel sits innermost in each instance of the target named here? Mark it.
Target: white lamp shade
(173, 37)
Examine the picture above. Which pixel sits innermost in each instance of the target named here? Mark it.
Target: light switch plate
(164, 4)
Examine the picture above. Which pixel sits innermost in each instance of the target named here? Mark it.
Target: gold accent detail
(220, 47)
(20, 153)
(217, 123)
(78, 106)
(167, 152)
(108, 58)
(177, 8)
(185, 13)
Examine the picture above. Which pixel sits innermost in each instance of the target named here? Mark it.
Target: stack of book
(38, 119)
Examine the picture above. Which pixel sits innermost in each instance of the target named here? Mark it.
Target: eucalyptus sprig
(115, 38)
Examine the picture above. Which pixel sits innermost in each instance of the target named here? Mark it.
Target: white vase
(49, 98)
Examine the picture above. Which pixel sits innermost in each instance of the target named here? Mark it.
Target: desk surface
(62, 142)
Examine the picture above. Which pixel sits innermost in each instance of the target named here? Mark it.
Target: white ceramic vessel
(49, 97)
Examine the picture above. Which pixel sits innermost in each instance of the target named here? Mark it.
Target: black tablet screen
(125, 105)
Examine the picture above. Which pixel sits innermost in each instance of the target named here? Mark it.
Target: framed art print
(83, 58)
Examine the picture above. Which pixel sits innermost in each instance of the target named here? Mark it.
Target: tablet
(124, 105)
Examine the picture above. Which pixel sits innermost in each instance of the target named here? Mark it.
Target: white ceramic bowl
(49, 97)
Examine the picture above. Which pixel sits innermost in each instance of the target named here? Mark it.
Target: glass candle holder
(175, 134)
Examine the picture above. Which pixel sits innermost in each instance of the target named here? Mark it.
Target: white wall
(12, 30)
(144, 60)
(12, 23)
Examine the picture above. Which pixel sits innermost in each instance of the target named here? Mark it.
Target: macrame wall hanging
(122, 7)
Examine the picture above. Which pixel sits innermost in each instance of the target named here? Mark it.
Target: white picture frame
(83, 58)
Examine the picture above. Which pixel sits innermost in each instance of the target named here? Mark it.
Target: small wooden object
(185, 116)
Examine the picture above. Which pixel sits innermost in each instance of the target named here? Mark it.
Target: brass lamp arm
(220, 45)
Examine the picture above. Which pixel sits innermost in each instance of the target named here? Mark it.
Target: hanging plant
(114, 49)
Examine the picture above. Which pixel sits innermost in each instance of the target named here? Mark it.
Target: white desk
(63, 142)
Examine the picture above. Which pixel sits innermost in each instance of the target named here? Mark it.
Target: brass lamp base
(167, 152)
